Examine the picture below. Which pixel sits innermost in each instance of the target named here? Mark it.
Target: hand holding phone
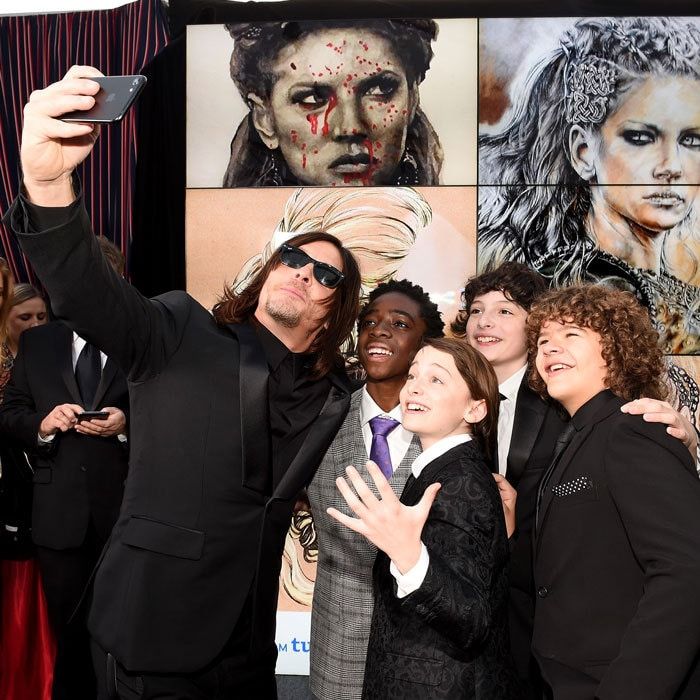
(117, 93)
(90, 415)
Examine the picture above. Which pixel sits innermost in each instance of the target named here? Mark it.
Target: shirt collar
(276, 352)
(589, 413)
(370, 409)
(510, 387)
(437, 450)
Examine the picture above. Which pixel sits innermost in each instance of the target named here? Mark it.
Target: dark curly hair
(629, 343)
(434, 325)
(516, 281)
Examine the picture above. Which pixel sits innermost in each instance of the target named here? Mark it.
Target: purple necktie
(379, 453)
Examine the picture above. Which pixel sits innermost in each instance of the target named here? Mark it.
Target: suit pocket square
(570, 488)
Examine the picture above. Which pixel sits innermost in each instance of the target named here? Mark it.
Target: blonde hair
(379, 225)
(7, 293)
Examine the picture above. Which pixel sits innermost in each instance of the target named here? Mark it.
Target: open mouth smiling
(378, 351)
(487, 339)
(556, 367)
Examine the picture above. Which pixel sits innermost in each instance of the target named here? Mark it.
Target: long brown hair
(343, 303)
(482, 383)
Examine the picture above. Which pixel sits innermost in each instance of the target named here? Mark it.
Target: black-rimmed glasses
(296, 258)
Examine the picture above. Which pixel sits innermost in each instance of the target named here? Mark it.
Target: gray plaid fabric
(342, 606)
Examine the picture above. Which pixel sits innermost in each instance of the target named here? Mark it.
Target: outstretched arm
(85, 291)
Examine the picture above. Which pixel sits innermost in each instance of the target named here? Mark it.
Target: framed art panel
(348, 102)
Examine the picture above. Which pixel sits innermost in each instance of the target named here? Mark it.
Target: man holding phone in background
(230, 417)
(80, 464)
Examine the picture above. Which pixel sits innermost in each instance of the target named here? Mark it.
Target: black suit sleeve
(19, 419)
(137, 333)
(454, 597)
(658, 498)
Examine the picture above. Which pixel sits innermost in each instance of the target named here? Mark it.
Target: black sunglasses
(296, 258)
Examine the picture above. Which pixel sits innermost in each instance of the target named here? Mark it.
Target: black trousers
(65, 574)
(226, 678)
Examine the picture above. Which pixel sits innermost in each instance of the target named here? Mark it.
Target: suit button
(83, 469)
(543, 591)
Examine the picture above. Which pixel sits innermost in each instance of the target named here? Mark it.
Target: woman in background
(26, 643)
(333, 102)
(596, 172)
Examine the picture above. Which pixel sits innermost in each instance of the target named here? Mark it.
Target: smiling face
(339, 109)
(646, 156)
(292, 302)
(28, 314)
(571, 364)
(390, 334)
(496, 328)
(435, 400)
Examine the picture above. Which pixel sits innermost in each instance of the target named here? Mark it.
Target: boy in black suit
(493, 321)
(616, 560)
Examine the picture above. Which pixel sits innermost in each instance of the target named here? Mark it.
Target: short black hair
(518, 282)
(434, 325)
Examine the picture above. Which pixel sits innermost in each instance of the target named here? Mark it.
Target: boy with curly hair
(616, 557)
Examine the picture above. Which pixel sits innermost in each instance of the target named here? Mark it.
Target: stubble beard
(285, 314)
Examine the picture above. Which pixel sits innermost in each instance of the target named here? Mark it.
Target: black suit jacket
(448, 639)
(76, 477)
(200, 528)
(617, 561)
(536, 426)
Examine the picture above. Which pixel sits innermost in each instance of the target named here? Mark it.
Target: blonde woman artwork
(593, 173)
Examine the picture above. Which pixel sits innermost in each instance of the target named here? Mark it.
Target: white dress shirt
(413, 579)
(506, 416)
(77, 347)
(398, 439)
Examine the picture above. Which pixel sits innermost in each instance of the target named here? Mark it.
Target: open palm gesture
(390, 525)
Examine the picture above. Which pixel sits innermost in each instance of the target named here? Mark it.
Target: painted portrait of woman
(593, 172)
(332, 103)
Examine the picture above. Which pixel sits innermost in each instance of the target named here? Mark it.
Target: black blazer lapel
(317, 440)
(414, 489)
(109, 371)
(530, 411)
(557, 474)
(252, 383)
(64, 357)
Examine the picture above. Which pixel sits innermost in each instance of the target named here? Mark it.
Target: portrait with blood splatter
(331, 103)
(589, 157)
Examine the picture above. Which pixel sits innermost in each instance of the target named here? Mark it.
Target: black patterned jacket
(448, 639)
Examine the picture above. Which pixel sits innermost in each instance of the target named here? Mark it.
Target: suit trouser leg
(65, 574)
